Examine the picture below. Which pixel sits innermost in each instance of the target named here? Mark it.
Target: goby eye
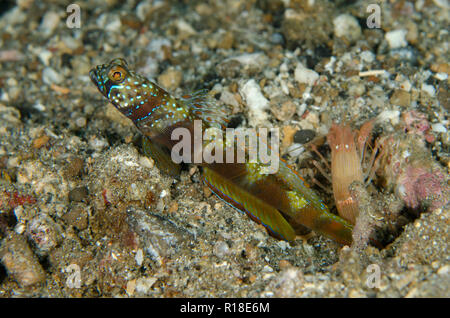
(116, 74)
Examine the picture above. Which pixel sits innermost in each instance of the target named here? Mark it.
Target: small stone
(406, 86)
(144, 284)
(227, 41)
(357, 89)
(285, 112)
(131, 286)
(207, 191)
(185, 30)
(429, 89)
(113, 114)
(24, 4)
(284, 264)
(146, 162)
(40, 142)
(256, 102)
(20, 262)
(444, 270)
(295, 150)
(247, 63)
(304, 136)
(401, 98)
(139, 257)
(74, 167)
(311, 121)
(50, 76)
(81, 122)
(229, 99)
(173, 207)
(288, 135)
(77, 217)
(170, 79)
(346, 26)
(441, 76)
(441, 68)
(305, 75)
(44, 233)
(396, 39)
(354, 293)
(78, 194)
(367, 57)
(220, 249)
(300, 26)
(10, 55)
(439, 128)
(98, 144)
(389, 115)
(9, 115)
(49, 23)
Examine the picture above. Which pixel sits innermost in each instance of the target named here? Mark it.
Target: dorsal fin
(203, 106)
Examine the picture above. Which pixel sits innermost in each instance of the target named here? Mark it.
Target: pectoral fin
(242, 200)
(162, 158)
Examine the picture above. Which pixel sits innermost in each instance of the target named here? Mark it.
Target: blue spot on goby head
(112, 87)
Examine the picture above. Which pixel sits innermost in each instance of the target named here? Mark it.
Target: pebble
(392, 115)
(77, 216)
(285, 111)
(429, 89)
(45, 56)
(439, 128)
(78, 194)
(396, 38)
(441, 76)
(81, 122)
(221, 249)
(305, 75)
(306, 26)
(229, 99)
(304, 136)
(247, 63)
(185, 29)
(367, 57)
(227, 41)
(146, 162)
(98, 144)
(20, 262)
(144, 284)
(295, 150)
(441, 68)
(74, 167)
(346, 26)
(170, 79)
(144, 8)
(444, 270)
(49, 23)
(50, 76)
(44, 234)
(256, 102)
(288, 135)
(406, 86)
(131, 286)
(139, 257)
(401, 98)
(357, 89)
(40, 141)
(109, 22)
(10, 55)
(277, 38)
(250, 59)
